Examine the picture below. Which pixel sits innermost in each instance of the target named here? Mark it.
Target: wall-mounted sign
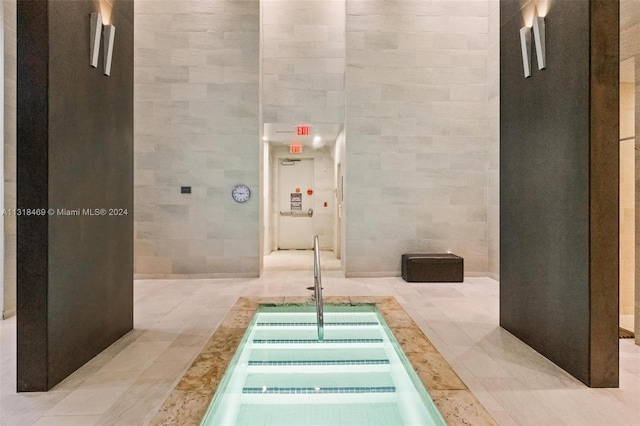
(303, 130)
(295, 149)
(296, 201)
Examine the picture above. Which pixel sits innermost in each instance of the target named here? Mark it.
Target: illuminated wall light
(109, 37)
(106, 9)
(543, 6)
(539, 37)
(525, 46)
(528, 13)
(96, 32)
(317, 142)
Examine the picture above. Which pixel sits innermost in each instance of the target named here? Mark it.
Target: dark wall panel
(32, 191)
(546, 187)
(89, 161)
(604, 185)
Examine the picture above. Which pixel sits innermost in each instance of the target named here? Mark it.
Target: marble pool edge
(189, 400)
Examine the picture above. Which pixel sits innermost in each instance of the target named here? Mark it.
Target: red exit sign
(295, 149)
(303, 130)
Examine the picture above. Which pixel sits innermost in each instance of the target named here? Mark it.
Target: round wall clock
(241, 193)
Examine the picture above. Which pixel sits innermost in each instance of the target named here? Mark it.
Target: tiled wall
(493, 160)
(417, 126)
(417, 132)
(10, 54)
(627, 197)
(630, 47)
(303, 61)
(196, 114)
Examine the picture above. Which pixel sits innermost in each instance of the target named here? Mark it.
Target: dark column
(559, 188)
(75, 157)
(32, 186)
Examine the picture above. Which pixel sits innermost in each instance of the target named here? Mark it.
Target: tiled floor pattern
(299, 260)
(127, 383)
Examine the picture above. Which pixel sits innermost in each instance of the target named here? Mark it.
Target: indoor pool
(282, 374)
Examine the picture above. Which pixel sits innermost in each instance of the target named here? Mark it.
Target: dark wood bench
(435, 267)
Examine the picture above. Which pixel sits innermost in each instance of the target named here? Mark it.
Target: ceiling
(286, 134)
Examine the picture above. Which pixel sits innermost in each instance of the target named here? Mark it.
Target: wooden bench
(435, 267)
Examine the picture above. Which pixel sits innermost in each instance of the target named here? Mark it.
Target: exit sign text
(295, 149)
(303, 130)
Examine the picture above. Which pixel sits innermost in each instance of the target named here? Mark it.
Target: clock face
(241, 193)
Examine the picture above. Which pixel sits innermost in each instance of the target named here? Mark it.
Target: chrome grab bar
(297, 213)
(317, 285)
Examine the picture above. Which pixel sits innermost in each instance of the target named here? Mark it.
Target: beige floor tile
(67, 421)
(516, 384)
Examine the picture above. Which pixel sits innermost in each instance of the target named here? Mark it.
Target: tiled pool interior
(188, 402)
(283, 375)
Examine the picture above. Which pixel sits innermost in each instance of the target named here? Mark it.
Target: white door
(295, 204)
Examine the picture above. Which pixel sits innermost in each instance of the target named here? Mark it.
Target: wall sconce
(539, 36)
(96, 31)
(109, 37)
(525, 46)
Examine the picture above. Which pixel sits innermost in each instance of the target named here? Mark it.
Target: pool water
(282, 375)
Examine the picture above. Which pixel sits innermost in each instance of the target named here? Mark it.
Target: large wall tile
(417, 133)
(197, 63)
(10, 110)
(303, 61)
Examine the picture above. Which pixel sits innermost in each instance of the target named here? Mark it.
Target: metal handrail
(317, 285)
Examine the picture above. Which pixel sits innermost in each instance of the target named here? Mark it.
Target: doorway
(295, 204)
(302, 192)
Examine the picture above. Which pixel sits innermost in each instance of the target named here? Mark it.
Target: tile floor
(127, 383)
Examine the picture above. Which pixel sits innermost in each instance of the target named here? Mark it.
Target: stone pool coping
(188, 402)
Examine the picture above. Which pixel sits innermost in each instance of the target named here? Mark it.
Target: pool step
(313, 341)
(313, 344)
(310, 335)
(316, 354)
(323, 414)
(342, 368)
(306, 319)
(321, 362)
(319, 366)
(314, 324)
(315, 382)
(286, 377)
(317, 390)
(327, 396)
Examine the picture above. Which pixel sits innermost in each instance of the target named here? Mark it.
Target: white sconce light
(539, 37)
(525, 46)
(109, 37)
(96, 31)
